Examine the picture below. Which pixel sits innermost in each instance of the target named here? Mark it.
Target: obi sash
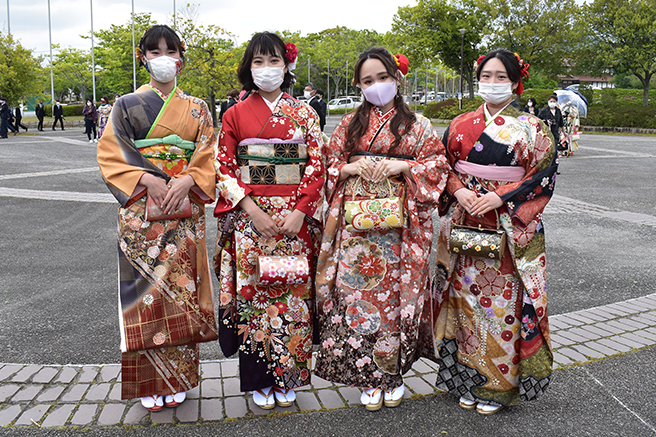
(504, 173)
(171, 153)
(272, 161)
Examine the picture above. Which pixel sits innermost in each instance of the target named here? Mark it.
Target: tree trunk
(213, 107)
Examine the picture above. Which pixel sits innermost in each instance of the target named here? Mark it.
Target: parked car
(347, 102)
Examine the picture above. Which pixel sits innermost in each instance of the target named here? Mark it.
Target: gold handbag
(477, 241)
(374, 214)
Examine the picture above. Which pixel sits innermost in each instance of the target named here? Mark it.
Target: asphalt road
(58, 257)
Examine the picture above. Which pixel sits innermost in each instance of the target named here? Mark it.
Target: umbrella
(574, 98)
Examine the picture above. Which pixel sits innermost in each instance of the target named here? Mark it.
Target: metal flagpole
(52, 82)
(93, 59)
(134, 60)
(309, 70)
(8, 21)
(328, 87)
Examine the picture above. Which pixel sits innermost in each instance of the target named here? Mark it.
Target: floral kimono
(571, 128)
(103, 111)
(165, 288)
(275, 157)
(372, 285)
(492, 329)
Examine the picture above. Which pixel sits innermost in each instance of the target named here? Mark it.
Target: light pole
(462, 64)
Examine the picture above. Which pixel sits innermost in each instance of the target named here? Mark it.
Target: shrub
(448, 109)
(621, 116)
(69, 110)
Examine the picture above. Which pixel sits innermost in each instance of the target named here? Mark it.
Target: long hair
(264, 43)
(402, 120)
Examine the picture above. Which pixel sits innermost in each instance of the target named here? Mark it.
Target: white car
(347, 102)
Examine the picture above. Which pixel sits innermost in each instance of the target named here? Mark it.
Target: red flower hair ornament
(402, 63)
(291, 54)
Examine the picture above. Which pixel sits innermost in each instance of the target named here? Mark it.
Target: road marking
(69, 141)
(618, 401)
(47, 173)
(71, 196)
(567, 205)
(625, 153)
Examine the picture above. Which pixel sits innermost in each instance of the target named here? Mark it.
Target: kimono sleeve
(527, 198)
(335, 158)
(201, 165)
(120, 162)
(429, 171)
(228, 181)
(309, 192)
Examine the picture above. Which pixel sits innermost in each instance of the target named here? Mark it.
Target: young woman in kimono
(159, 145)
(492, 328)
(372, 284)
(270, 178)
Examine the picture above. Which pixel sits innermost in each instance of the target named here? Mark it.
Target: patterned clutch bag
(374, 214)
(478, 241)
(155, 213)
(282, 270)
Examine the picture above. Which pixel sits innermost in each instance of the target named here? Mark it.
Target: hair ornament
(523, 73)
(291, 55)
(402, 63)
(138, 54)
(480, 59)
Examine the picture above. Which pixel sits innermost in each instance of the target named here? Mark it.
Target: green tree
(21, 75)
(431, 31)
(542, 32)
(622, 38)
(72, 73)
(211, 59)
(113, 56)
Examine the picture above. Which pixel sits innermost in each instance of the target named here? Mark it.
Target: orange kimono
(165, 290)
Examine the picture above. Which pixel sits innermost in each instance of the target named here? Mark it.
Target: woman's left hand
(388, 168)
(486, 203)
(291, 225)
(178, 190)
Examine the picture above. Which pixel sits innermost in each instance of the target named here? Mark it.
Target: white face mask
(380, 93)
(307, 94)
(552, 104)
(530, 103)
(268, 79)
(495, 93)
(163, 68)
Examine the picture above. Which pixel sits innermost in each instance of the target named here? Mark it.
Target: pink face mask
(380, 93)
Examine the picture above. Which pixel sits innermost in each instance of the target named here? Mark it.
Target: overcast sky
(28, 19)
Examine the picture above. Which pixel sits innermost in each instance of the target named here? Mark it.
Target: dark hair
(89, 100)
(532, 99)
(150, 40)
(311, 85)
(320, 92)
(404, 115)
(233, 93)
(265, 43)
(553, 96)
(105, 98)
(509, 61)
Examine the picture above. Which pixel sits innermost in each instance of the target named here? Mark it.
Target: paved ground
(59, 281)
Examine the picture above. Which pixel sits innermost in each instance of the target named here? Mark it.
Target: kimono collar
(382, 117)
(489, 117)
(272, 105)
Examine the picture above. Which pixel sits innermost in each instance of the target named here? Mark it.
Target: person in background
(324, 106)
(40, 112)
(90, 119)
(554, 119)
(231, 100)
(104, 110)
(19, 117)
(492, 328)
(310, 94)
(58, 115)
(4, 117)
(532, 107)
(372, 284)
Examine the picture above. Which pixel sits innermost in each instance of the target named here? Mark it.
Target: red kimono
(276, 158)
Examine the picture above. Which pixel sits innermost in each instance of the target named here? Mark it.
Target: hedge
(69, 110)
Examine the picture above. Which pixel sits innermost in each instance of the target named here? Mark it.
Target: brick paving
(89, 396)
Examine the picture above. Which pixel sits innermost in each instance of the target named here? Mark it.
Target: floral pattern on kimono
(491, 323)
(371, 286)
(271, 327)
